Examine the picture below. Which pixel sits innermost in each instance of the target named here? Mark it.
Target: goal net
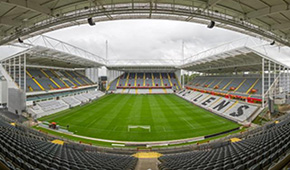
(148, 127)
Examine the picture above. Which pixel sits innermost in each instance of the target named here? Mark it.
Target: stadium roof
(242, 55)
(241, 59)
(43, 56)
(47, 51)
(144, 68)
(23, 18)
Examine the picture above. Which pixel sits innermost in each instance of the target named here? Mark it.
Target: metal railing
(55, 44)
(136, 10)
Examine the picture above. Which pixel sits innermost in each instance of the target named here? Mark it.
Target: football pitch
(168, 116)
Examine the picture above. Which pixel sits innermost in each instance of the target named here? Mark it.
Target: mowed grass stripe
(169, 116)
(213, 121)
(191, 118)
(120, 118)
(146, 113)
(174, 122)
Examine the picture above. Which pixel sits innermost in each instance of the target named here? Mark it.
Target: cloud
(144, 39)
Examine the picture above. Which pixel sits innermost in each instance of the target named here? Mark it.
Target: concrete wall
(93, 74)
(3, 92)
(112, 75)
(178, 76)
(16, 101)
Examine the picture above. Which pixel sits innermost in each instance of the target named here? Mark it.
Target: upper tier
(38, 79)
(145, 80)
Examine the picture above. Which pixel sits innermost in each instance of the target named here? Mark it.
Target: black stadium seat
(28, 152)
(255, 152)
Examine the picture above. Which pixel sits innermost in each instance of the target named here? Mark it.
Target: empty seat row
(29, 152)
(255, 152)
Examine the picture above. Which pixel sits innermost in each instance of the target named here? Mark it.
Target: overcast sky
(142, 39)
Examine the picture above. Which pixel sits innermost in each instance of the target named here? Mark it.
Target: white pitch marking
(188, 123)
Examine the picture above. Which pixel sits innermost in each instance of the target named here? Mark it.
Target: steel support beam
(268, 11)
(29, 5)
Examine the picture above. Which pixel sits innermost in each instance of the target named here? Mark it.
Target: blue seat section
(242, 85)
(147, 82)
(66, 74)
(48, 84)
(139, 79)
(174, 80)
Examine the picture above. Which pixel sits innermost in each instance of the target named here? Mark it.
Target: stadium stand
(49, 79)
(145, 83)
(236, 97)
(235, 110)
(246, 87)
(56, 104)
(82, 98)
(26, 150)
(71, 101)
(254, 152)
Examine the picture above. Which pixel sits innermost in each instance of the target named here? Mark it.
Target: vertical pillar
(275, 71)
(288, 80)
(263, 90)
(284, 80)
(183, 78)
(9, 68)
(19, 72)
(14, 69)
(269, 74)
(24, 73)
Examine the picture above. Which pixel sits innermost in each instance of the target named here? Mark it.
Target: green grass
(109, 144)
(169, 116)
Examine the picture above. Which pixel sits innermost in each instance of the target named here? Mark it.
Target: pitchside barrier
(181, 141)
(221, 133)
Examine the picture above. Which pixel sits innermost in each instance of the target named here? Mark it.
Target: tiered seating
(48, 107)
(256, 152)
(240, 112)
(52, 106)
(139, 80)
(174, 81)
(97, 93)
(243, 87)
(48, 79)
(145, 81)
(81, 98)
(21, 149)
(41, 79)
(89, 96)
(165, 79)
(55, 77)
(148, 80)
(71, 101)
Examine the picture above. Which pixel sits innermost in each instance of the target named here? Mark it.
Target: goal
(139, 126)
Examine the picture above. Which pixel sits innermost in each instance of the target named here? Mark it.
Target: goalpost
(139, 126)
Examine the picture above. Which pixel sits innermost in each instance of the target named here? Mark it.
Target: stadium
(232, 112)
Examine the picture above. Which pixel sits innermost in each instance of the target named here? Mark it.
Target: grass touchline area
(168, 116)
(107, 144)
